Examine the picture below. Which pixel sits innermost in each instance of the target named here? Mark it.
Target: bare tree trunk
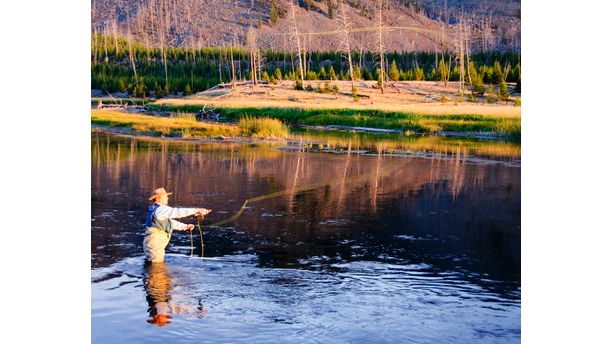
(297, 40)
(345, 42)
(116, 39)
(131, 53)
(105, 49)
(95, 46)
(381, 48)
(232, 59)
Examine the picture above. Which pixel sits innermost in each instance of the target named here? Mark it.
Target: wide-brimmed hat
(159, 192)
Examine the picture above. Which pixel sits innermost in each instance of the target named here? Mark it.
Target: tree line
(124, 65)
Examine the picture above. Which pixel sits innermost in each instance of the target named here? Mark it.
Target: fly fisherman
(160, 223)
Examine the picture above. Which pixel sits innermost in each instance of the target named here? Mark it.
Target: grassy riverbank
(507, 126)
(184, 125)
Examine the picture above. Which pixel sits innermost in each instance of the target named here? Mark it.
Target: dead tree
(345, 41)
(252, 46)
(232, 61)
(381, 49)
(297, 40)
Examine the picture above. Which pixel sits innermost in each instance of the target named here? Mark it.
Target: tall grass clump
(187, 116)
(262, 127)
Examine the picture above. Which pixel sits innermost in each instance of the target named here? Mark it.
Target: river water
(371, 241)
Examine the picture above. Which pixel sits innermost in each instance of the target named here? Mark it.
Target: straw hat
(159, 192)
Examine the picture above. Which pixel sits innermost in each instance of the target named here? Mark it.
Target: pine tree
(356, 72)
(497, 75)
(322, 74)
(265, 76)
(332, 73)
(502, 92)
(419, 75)
(477, 84)
(394, 72)
(187, 89)
(443, 71)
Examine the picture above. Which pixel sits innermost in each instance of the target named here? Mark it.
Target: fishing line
(273, 195)
(191, 240)
(286, 192)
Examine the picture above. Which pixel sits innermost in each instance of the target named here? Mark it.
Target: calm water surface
(411, 241)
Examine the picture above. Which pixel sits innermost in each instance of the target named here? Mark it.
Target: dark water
(387, 249)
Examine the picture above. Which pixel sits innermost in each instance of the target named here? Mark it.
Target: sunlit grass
(262, 127)
(179, 126)
(419, 123)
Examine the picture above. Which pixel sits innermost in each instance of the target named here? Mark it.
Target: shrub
(298, 85)
(354, 94)
(335, 89)
(517, 101)
(309, 88)
(263, 127)
(327, 88)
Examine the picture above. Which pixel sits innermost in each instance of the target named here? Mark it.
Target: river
(372, 240)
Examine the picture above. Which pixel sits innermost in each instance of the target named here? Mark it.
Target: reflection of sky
(363, 301)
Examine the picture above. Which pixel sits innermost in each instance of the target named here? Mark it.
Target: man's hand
(190, 227)
(201, 212)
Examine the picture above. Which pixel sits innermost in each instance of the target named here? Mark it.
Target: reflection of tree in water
(158, 288)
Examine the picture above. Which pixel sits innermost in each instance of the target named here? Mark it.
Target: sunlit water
(387, 248)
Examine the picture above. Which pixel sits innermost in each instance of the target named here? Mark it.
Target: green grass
(417, 123)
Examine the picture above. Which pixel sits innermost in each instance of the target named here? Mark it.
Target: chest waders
(157, 235)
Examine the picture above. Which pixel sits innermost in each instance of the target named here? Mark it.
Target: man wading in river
(160, 223)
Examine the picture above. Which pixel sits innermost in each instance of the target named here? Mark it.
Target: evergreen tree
(502, 92)
(278, 75)
(497, 76)
(265, 76)
(419, 74)
(158, 91)
(356, 73)
(322, 74)
(187, 89)
(332, 73)
(518, 84)
(477, 84)
(443, 70)
(394, 72)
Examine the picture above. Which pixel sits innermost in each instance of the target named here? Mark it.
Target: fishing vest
(153, 221)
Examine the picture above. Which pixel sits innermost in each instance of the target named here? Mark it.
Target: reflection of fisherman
(159, 286)
(160, 223)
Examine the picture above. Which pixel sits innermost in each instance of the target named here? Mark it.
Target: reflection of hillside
(362, 197)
